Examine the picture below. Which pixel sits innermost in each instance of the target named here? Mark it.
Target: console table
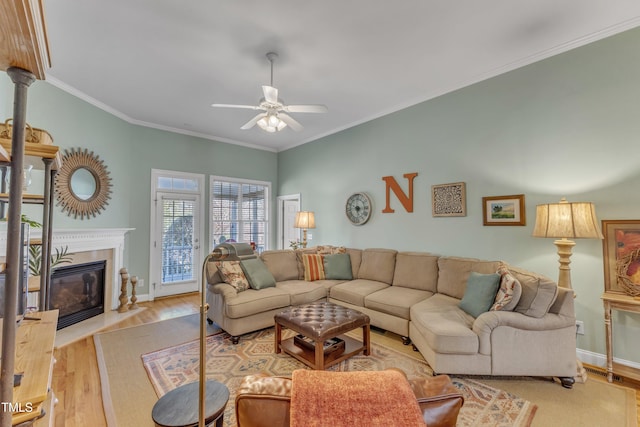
(617, 301)
(34, 358)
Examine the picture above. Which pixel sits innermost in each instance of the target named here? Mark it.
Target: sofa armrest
(226, 290)
(263, 401)
(487, 322)
(490, 320)
(439, 400)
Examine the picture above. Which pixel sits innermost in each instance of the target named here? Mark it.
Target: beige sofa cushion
(283, 264)
(254, 301)
(303, 292)
(356, 259)
(445, 326)
(453, 273)
(538, 292)
(395, 300)
(355, 291)
(378, 265)
(417, 270)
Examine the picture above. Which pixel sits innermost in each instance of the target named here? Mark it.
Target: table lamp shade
(567, 220)
(305, 220)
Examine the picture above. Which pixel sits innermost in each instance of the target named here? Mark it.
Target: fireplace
(78, 292)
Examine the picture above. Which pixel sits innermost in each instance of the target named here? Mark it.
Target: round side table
(179, 407)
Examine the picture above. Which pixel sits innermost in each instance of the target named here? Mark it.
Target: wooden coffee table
(320, 321)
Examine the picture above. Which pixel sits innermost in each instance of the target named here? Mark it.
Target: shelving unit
(34, 338)
(24, 55)
(48, 155)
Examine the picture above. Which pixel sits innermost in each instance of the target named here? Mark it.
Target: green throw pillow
(257, 274)
(337, 267)
(480, 293)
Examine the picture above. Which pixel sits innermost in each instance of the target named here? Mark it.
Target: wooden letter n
(392, 185)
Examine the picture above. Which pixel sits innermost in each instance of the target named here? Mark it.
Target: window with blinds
(177, 240)
(239, 212)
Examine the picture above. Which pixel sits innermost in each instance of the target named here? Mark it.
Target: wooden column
(47, 236)
(22, 79)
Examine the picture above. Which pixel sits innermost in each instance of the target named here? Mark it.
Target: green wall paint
(130, 152)
(567, 126)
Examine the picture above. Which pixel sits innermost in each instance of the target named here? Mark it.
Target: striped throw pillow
(313, 267)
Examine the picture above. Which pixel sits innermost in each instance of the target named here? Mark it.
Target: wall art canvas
(449, 199)
(621, 247)
(503, 210)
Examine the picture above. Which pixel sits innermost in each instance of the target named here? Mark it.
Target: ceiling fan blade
(270, 94)
(251, 123)
(250, 107)
(305, 108)
(290, 121)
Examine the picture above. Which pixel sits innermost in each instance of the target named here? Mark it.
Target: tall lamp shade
(564, 221)
(305, 220)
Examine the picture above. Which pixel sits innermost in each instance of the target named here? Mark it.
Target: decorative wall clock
(358, 208)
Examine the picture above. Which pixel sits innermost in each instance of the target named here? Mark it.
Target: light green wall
(567, 126)
(129, 152)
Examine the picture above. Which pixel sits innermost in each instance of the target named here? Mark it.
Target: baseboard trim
(600, 360)
(596, 364)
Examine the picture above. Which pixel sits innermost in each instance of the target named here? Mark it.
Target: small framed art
(449, 199)
(503, 210)
(621, 247)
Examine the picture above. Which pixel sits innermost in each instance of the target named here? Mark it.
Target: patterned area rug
(172, 367)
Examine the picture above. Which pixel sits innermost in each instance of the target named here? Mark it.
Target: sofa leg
(406, 340)
(235, 339)
(567, 382)
(209, 321)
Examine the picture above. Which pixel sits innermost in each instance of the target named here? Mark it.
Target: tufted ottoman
(320, 321)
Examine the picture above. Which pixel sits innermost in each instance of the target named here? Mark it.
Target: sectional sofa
(438, 303)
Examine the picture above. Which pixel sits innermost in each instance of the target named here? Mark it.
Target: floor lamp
(565, 221)
(305, 220)
(222, 252)
(177, 408)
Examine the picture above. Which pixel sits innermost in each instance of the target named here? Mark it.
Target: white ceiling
(162, 63)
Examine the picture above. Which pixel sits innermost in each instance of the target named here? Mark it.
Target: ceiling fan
(274, 117)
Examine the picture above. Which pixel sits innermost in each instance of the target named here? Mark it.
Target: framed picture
(621, 247)
(449, 199)
(503, 210)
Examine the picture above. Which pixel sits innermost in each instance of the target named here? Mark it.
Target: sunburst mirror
(82, 184)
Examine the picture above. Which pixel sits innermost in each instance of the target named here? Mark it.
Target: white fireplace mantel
(78, 240)
(84, 240)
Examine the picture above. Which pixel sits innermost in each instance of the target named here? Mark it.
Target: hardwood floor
(76, 380)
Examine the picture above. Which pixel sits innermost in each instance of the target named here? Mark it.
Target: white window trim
(155, 173)
(267, 213)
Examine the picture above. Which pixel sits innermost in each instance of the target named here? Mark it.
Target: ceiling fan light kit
(271, 123)
(275, 117)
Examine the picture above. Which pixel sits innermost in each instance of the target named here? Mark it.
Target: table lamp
(305, 220)
(564, 221)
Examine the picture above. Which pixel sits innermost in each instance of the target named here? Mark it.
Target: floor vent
(602, 373)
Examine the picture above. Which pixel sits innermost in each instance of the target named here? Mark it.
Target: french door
(176, 243)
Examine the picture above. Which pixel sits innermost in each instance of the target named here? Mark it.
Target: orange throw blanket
(353, 399)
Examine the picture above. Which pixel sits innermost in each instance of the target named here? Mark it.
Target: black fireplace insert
(78, 292)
